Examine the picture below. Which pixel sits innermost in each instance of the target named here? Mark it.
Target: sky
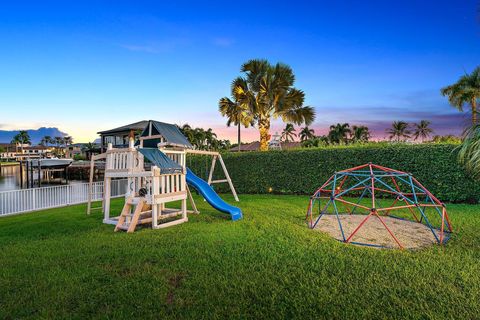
(87, 66)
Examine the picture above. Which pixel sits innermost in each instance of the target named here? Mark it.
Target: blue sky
(91, 66)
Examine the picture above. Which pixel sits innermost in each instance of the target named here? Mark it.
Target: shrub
(303, 171)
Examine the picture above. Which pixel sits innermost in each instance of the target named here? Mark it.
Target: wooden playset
(150, 189)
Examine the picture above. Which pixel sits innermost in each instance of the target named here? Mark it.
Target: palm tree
(67, 140)
(237, 111)
(399, 130)
(58, 141)
(46, 140)
(210, 139)
(288, 133)
(422, 130)
(307, 134)
(89, 148)
(187, 132)
(21, 138)
(360, 134)
(465, 91)
(339, 133)
(469, 152)
(268, 92)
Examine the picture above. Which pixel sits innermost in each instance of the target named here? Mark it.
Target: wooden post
(90, 184)
(184, 209)
(106, 196)
(27, 174)
(212, 168)
(232, 188)
(107, 191)
(31, 174)
(192, 202)
(21, 174)
(39, 174)
(155, 206)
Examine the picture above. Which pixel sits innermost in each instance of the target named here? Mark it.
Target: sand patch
(412, 235)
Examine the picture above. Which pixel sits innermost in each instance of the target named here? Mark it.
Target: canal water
(10, 179)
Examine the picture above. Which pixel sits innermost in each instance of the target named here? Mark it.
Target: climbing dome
(381, 207)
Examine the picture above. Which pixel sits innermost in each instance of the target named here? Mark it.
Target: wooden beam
(218, 181)
(211, 153)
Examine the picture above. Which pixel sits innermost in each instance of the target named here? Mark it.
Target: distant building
(275, 142)
(74, 149)
(80, 149)
(9, 150)
(12, 151)
(36, 150)
(119, 137)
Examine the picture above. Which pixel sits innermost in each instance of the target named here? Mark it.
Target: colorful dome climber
(378, 206)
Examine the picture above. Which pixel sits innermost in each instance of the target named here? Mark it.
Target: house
(37, 150)
(255, 146)
(82, 150)
(119, 137)
(12, 151)
(9, 150)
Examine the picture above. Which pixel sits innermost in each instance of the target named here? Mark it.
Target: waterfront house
(119, 137)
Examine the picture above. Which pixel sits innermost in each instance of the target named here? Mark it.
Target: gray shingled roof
(140, 125)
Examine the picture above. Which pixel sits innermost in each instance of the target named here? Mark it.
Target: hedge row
(302, 171)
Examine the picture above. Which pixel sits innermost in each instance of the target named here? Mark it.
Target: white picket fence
(26, 200)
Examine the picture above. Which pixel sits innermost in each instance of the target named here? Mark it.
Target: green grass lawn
(11, 163)
(61, 263)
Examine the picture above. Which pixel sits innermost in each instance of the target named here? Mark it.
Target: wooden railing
(177, 156)
(124, 160)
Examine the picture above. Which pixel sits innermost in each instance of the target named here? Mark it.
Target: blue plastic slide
(211, 196)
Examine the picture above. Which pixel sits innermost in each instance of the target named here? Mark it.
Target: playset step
(134, 218)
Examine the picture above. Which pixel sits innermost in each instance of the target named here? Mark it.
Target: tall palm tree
(268, 92)
(237, 110)
(469, 152)
(339, 133)
(422, 130)
(288, 134)
(465, 91)
(307, 134)
(360, 134)
(399, 130)
(21, 138)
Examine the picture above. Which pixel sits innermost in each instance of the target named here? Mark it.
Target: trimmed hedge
(302, 171)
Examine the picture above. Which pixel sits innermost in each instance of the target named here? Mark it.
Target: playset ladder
(128, 221)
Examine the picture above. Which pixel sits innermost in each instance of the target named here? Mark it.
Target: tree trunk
(239, 137)
(474, 111)
(264, 128)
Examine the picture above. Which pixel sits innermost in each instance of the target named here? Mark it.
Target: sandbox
(412, 235)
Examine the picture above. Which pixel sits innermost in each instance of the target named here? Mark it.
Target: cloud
(223, 41)
(157, 47)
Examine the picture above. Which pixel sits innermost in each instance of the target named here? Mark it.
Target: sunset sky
(87, 66)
